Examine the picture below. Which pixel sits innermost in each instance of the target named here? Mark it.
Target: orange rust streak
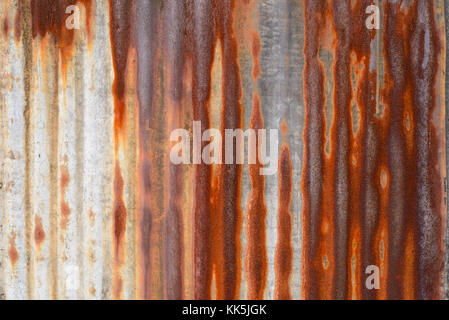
(5, 26)
(400, 167)
(256, 252)
(174, 49)
(13, 253)
(425, 49)
(202, 58)
(120, 42)
(362, 217)
(284, 249)
(313, 170)
(410, 267)
(65, 209)
(229, 175)
(255, 51)
(341, 140)
(120, 12)
(17, 22)
(50, 17)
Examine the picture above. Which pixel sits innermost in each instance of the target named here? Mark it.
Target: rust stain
(174, 45)
(39, 233)
(370, 158)
(256, 213)
(119, 210)
(284, 250)
(256, 255)
(120, 15)
(50, 17)
(146, 88)
(284, 127)
(12, 252)
(65, 209)
(5, 26)
(314, 213)
(91, 217)
(18, 20)
(120, 12)
(391, 149)
(229, 175)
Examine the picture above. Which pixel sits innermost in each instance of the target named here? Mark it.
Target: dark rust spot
(256, 264)
(120, 25)
(256, 255)
(255, 51)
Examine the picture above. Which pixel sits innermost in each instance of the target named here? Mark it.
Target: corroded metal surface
(91, 207)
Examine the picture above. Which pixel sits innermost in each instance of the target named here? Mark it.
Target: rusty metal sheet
(341, 182)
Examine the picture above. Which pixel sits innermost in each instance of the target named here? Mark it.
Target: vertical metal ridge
(284, 252)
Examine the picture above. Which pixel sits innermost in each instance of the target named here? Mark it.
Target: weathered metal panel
(93, 207)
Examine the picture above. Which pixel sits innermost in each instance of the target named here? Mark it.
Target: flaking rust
(93, 207)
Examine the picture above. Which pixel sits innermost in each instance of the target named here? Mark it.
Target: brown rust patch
(13, 253)
(91, 216)
(256, 255)
(120, 25)
(202, 58)
(39, 233)
(174, 16)
(313, 174)
(5, 26)
(380, 186)
(283, 263)
(120, 34)
(49, 17)
(414, 178)
(425, 49)
(119, 211)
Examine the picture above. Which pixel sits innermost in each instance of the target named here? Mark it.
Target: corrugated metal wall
(92, 208)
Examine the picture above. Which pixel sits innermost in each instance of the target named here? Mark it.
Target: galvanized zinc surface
(93, 207)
